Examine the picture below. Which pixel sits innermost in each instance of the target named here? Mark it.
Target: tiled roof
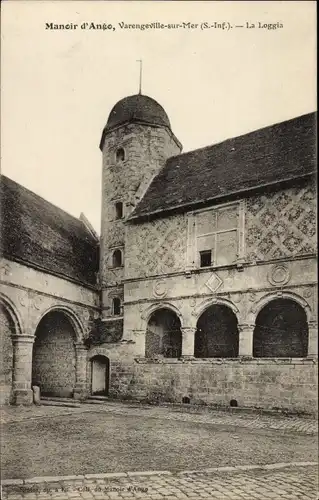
(269, 155)
(136, 108)
(42, 235)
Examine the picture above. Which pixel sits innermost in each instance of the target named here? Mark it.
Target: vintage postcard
(158, 250)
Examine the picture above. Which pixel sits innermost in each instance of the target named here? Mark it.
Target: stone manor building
(201, 288)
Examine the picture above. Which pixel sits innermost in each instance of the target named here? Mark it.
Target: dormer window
(118, 210)
(120, 155)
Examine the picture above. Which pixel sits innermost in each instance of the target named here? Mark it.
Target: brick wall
(157, 247)
(6, 357)
(281, 224)
(53, 367)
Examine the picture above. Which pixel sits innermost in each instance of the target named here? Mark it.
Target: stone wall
(146, 150)
(54, 356)
(6, 356)
(284, 383)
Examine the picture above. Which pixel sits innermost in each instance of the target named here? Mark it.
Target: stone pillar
(246, 334)
(312, 339)
(188, 342)
(81, 390)
(22, 369)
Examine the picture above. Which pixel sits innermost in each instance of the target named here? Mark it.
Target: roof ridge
(267, 155)
(223, 141)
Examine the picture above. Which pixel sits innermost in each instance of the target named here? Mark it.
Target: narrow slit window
(116, 306)
(119, 210)
(205, 258)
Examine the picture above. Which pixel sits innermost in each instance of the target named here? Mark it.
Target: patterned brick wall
(277, 225)
(281, 224)
(157, 247)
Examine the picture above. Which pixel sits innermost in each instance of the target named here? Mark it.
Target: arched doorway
(100, 381)
(163, 335)
(281, 330)
(54, 360)
(7, 329)
(217, 333)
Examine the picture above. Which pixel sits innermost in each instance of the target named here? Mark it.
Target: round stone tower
(135, 143)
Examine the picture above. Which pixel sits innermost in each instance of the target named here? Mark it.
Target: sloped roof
(269, 155)
(43, 236)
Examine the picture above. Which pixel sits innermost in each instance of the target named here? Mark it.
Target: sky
(58, 86)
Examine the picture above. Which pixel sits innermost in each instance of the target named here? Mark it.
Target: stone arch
(217, 331)
(99, 351)
(281, 329)
(160, 305)
(163, 334)
(13, 312)
(9, 325)
(54, 361)
(263, 301)
(200, 309)
(72, 316)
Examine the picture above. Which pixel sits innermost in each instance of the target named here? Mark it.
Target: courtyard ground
(198, 453)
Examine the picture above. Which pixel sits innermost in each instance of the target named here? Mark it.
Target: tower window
(118, 210)
(117, 258)
(116, 306)
(120, 155)
(205, 258)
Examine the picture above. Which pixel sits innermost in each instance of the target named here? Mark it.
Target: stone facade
(279, 265)
(27, 297)
(179, 308)
(125, 178)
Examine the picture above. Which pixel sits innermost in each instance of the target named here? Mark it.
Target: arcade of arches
(51, 359)
(281, 330)
(54, 360)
